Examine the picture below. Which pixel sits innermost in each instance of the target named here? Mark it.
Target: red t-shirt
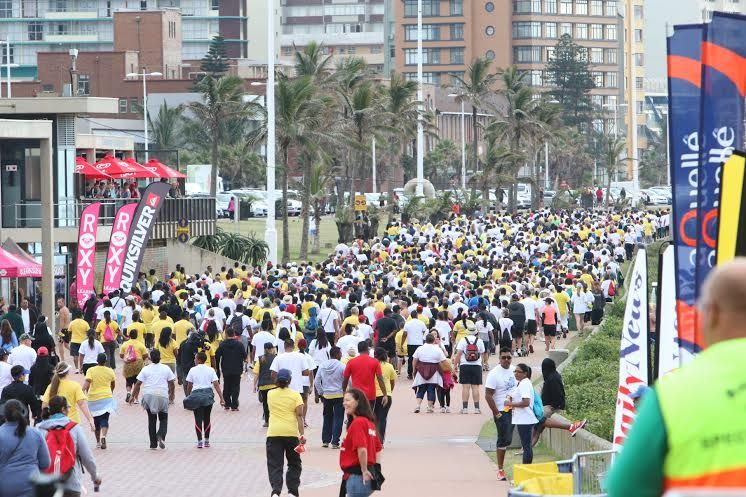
(363, 370)
(360, 433)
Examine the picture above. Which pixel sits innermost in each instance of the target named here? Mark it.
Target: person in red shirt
(364, 371)
(361, 446)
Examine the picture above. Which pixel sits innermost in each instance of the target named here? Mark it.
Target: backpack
(313, 321)
(131, 355)
(237, 324)
(61, 450)
(612, 290)
(505, 336)
(193, 319)
(108, 334)
(538, 407)
(472, 351)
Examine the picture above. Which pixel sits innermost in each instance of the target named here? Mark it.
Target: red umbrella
(87, 170)
(132, 162)
(163, 170)
(120, 169)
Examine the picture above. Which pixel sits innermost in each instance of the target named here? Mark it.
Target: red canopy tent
(13, 266)
(119, 169)
(87, 170)
(162, 170)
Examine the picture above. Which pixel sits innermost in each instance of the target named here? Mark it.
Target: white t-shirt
(296, 363)
(461, 347)
(100, 313)
(524, 415)
(347, 342)
(364, 331)
(259, 340)
(5, 377)
(90, 354)
(319, 355)
(310, 365)
(23, 355)
(429, 353)
(415, 330)
(201, 376)
(484, 329)
(529, 305)
(502, 381)
(327, 316)
(155, 378)
(444, 331)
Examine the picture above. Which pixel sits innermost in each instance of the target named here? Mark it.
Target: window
(489, 6)
(7, 56)
(84, 84)
(524, 55)
(639, 59)
(526, 30)
(429, 56)
(638, 36)
(527, 6)
(537, 78)
(598, 125)
(612, 80)
(457, 7)
(490, 55)
(29, 8)
(640, 107)
(351, 50)
(611, 100)
(611, 31)
(215, 4)
(427, 77)
(457, 55)
(597, 55)
(611, 9)
(143, 5)
(134, 104)
(550, 30)
(581, 7)
(565, 29)
(47, 88)
(430, 32)
(597, 7)
(6, 8)
(430, 8)
(597, 31)
(489, 30)
(549, 53)
(457, 31)
(566, 7)
(639, 12)
(611, 55)
(581, 31)
(598, 78)
(108, 8)
(287, 51)
(550, 6)
(376, 50)
(35, 31)
(639, 82)
(597, 101)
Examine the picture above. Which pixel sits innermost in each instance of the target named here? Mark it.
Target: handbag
(378, 479)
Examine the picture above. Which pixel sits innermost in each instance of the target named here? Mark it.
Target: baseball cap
(284, 375)
(42, 352)
(302, 343)
(25, 336)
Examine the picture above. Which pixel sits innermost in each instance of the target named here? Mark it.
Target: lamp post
(463, 142)
(546, 155)
(270, 230)
(145, 75)
(616, 108)
(420, 131)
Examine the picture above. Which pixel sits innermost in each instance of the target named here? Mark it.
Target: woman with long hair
(89, 351)
(99, 386)
(23, 451)
(134, 354)
(138, 326)
(8, 339)
(158, 386)
(71, 391)
(389, 381)
(107, 331)
(361, 446)
(148, 316)
(43, 337)
(214, 338)
(319, 348)
(166, 345)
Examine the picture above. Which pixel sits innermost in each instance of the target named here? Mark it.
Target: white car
(222, 201)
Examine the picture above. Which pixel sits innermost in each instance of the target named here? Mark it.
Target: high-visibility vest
(704, 412)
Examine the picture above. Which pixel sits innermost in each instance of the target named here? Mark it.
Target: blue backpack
(538, 406)
(313, 321)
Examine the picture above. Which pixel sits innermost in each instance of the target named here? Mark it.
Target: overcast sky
(657, 14)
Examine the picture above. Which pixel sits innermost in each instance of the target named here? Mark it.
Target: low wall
(194, 259)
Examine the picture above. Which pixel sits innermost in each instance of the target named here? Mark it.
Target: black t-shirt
(387, 326)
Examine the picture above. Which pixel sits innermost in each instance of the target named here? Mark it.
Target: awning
(14, 266)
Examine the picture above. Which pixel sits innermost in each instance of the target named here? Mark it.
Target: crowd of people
(440, 299)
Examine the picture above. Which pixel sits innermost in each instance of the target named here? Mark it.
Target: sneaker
(576, 426)
(161, 443)
(416, 410)
(98, 446)
(531, 349)
(206, 444)
(199, 444)
(477, 411)
(464, 411)
(234, 409)
(429, 410)
(448, 410)
(326, 446)
(275, 495)
(443, 410)
(103, 443)
(129, 396)
(335, 446)
(265, 424)
(501, 475)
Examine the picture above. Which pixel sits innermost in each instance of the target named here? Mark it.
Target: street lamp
(616, 118)
(145, 75)
(420, 131)
(546, 154)
(463, 141)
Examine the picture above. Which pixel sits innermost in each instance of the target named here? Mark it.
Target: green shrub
(616, 308)
(595, 402)
(596, 370)
(612, 327)
(601, 347)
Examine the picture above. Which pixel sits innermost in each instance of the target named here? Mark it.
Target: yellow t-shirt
(140, 349)
(460, 329)
(282, 403)
(305, 307)
(101, 327)
(587, 279)
(181, 330)
(562, 299)
(168, 353)
(73, 392)
(401, 349)
(140, 328)
(78, 330)
(159, 324)
(351, 319)
(233, 281)
(101, 378)
(148, 315)
(389, 375)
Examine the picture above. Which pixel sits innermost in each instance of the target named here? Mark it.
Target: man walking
(500, 381)
(230, 359)
(284, 434)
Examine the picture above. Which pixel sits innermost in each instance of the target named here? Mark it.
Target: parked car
(549, 196)
(222, 201)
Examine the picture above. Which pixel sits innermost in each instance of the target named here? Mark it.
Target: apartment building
(633, 15)
(707, 7)
(345, 28)
(35, 26)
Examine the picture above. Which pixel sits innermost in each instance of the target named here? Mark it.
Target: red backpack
(61, 449)
(472, 351)
(612, 290)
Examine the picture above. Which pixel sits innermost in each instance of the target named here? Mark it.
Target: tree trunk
(317, 222)
(214, 167)
(285, 225)
(485, 198)
(475, 153)
(608, 187)
(303, 255)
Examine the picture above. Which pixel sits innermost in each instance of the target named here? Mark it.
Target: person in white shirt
(259, 339)
(469, 369)
(200, 382)
(349, 340)
(5, 377)
(157, 382)
(364, 330)
(532, 319)
(444, 331)
(293, 361)
(106, 306)
(89, 351)
(499, 383)
(414, 334)
(329, 319)
(521, 402)
(427, 360)
(23, 355)
(26, 317)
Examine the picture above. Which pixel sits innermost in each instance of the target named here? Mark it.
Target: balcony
(73, 13)
(80, 37)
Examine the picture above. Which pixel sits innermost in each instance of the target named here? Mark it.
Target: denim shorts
(504, 426)
(356, 487)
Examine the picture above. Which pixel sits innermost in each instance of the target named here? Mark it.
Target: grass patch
(541, 452)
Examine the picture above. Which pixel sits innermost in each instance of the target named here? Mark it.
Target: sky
(657, 14)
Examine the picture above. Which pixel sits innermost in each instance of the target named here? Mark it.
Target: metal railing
(588, 470)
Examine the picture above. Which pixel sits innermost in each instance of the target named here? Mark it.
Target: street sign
(183, 237)
(360, 203)
(183, 222)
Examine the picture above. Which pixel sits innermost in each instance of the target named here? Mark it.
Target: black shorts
(517, 331)
(550, 330)
(101, 421)
(531, 327)
(504, 426)
(88, 366)
(63, 336)
(470, 374)
(75, 349)
(130, 381)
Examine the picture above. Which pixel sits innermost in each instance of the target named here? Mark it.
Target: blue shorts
(504, 426)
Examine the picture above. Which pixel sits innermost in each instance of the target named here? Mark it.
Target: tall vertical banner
(633, 355)
(117, 246)
(723, 92)
(667, 350)
(731, 240)
(142, 227)
(684, 96)
(87, 229)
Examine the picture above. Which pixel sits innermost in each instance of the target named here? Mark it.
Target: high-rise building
(633, 15)
(34, 26)
(707, 7)
(345, 28)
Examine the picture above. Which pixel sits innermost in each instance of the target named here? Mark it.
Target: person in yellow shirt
(562, 299)
(166, 345)
(164, 320)
(71, 391)
(285, 432)
(137, 325)
(99, 386)
(352, 319)
(134, 354)
(107, 332)
(389, 381)
(78, 329)
(401, 350)
(181, 329)
(148, 315)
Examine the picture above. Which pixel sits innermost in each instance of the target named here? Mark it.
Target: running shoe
(448, 410)
(477, 411)
(199, 444)
(443, 410)
(326, 446)
(335, 446)
(501, 475)
(161, 443)
(103, 443)
(429, 410)
(464, 411)
(416, 410)
(206, 443)
(129, 396)
(576, 426)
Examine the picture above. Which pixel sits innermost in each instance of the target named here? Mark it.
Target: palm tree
(165, 129)
(478, 82)
(311, 61)
(222, 100)
(319, 179)
(613, 148)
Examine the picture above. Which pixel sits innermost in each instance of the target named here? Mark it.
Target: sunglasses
(506, 357)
